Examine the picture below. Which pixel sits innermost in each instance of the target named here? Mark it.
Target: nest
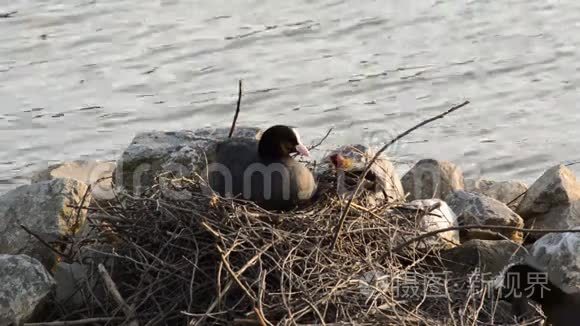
(198, 259)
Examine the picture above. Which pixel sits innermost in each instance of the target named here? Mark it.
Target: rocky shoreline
(35, 218)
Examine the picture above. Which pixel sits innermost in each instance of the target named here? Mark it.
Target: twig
(237, 109)
(482, 227)
(368, 167)
(76, 322)
(129, 312)
(46, 244)
(261, 317)
(234, 275)
(8, 14)
(82, 206)
(516, 199)
(321, 141)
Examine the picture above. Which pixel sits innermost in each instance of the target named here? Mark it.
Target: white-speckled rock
(97, 174)
(432, 179)
(508, 192)
(439, 218)
(478, 209)
(24, 285)
(180, 153)
(45, 209)
(559, 253)
(552, 201)
(384, 182)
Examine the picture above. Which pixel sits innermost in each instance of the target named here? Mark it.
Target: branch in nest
(368, 167)
(237, 109)
(128, 310)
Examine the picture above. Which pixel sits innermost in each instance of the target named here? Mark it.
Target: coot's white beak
(302, 150)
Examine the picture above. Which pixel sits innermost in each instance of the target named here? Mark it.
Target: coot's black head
(279, 142)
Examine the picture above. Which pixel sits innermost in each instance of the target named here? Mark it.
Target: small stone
(97, 174)
(557, 187)
(553, 201)
(432, 179)
(432, 215)
(178, 153)
(48, 210)
(69, 279)
(477, 209)
(24, 286)
(510, 192)
(559, 254)
(488, 256)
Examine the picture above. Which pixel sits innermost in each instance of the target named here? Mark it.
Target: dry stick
(235, 275)
(129, 312)
(368, 167)
(46, 244)
(8, 14)
(317, 144)
(237, 109)
(482, 227)
(82, 205)
(518, 197)
(322, 140)
(76, 322)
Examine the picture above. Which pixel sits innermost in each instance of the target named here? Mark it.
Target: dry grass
(213, 261)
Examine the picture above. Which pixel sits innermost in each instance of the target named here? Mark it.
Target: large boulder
(510, 192)
(24, 286)
(431, 215)
(180, 153)
(432, 179)
(559, 254)
(48, 210)
(382, 183)
(486, 256)
(552, 201)
(97, 174)
(478, 209)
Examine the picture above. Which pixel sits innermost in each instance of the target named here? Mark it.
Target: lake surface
(79, 78)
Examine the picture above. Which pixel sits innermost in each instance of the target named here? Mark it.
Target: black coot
(263, 171)
(526, 281)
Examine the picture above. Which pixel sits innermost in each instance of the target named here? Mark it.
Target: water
(79, 78)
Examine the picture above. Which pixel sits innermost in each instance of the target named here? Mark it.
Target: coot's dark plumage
(263, 171)
(528, 281)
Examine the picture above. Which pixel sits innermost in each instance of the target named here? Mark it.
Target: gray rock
(552, 201)
(488, 256)
(69, 279)
(97, 174)
(382, 182)
(508, 192)
(564, 217)
(180, 153)
(432, 179)
(44, 208)
(431, 215)
(559, 254)
(24, 286)
(477, 209)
